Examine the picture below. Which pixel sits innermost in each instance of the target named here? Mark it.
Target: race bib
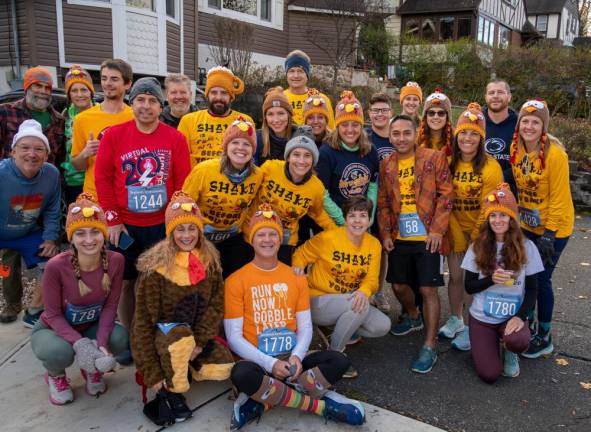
(277, 341)
(215, 235)
(146, 199)
(501, 306)
(410, 225)
(167, 327)
(76, 315)
(530, 217)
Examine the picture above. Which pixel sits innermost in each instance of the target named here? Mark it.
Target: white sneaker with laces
(60, 392)
(95, 385)
(452, 327)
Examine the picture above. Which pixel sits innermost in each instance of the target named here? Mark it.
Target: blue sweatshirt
(346, 174)
(381, 144)
(498, 141)
(29, 204)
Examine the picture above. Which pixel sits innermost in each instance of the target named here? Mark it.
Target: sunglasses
(436, 113)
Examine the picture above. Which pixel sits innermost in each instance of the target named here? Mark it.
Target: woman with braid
(435, 129)
(81, 289)
(540, 169)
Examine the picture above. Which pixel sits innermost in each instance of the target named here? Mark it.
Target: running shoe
(381, 302)
(351, 373)
(95, 385)
(245, 410)
(510, 364)
(408, 325)
(342, 409)
(60, 392)
(425, 361)
(9, 313)
(452, 327)
(178, 406)
(31, 320)
(462, 340)
(539, 345)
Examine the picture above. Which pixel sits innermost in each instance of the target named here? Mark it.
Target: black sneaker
(178, 406)
(31, 320)
(351, 373)
(539, 345)
(245, 410)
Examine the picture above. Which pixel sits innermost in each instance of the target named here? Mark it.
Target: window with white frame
(486, 31)
(542, 23)
(259, 10)
(142, 4)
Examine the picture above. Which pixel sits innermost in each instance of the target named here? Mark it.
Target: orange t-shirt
(266, 299)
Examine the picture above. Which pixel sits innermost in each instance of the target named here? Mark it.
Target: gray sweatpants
(335, 309)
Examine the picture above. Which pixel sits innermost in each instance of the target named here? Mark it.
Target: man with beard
(178, 96)
(204, 129)
(35, 105)
(500, 125)
(90, 125)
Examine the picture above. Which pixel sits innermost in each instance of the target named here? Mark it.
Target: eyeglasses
(34, 149)
(380, 110)
(441, 114)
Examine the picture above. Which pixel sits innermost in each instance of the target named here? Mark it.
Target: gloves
(90, 358)
(546, 247)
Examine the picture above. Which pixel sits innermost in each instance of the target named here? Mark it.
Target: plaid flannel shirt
(13, 114)
(433, 193)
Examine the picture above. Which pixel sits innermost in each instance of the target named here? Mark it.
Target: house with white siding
(556, 20)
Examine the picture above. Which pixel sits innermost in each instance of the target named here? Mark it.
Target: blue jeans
(545, 293)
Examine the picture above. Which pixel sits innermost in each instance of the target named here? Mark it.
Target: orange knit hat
(348, 109)
(37, 75)
(182, 209)
(411, 88)
(501, 200)
(274, 97)
(264, 217)
(85, 213)
(315, 104)
(240, 128)
(220, 76)
(472, 118)
(77, 75)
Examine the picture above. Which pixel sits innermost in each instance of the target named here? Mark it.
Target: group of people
(202, 248)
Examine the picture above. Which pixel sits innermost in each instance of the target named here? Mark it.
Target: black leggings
(235, 253)
(247, 376)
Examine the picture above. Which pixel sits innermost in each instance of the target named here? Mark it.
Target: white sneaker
(462, 340)
(95, 385)
(60, 392)
(452, 327)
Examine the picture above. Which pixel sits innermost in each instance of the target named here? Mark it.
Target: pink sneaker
(60, 392)
(95, 385)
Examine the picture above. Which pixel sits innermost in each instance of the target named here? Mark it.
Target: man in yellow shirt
(297, 70)
(204, 129)
(90, 125)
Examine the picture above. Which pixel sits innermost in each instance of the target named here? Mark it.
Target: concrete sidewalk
(24, 405)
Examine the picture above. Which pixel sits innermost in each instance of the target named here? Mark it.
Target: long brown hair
(513, 255)
(424, 135)
(333, 139)
(265, 133)
(163, 254)
(477, 163)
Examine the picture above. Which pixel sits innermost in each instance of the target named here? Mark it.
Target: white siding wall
(512, 17)
(553, 26)
(142, 42)
(566, 33)
(394, 21)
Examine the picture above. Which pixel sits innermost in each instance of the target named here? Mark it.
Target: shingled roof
(540, 7)
(410, 7)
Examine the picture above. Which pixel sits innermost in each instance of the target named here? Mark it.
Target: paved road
(546, 397)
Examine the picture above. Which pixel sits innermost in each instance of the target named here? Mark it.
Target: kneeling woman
(179, 308)
(81, 290)
(501, 272)
(345, 274)
(294, 191)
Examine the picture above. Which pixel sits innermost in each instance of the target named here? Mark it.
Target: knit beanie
(411, 88)
(276, 98)
(29, 128)
(315, 104)
(240, 128)
(180, 210)
(303, 138)
(37, 75)
(472, 118)
(348, 109)
(147, 85)
(77, 75)
(220, 76)
(298, 58)
(439, 100)
(501, 200)
(264, 217)
(86, 213)
(537, 108)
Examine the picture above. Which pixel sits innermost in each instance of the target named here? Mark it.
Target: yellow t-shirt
(545, 201)
(223, 204)
(338, 266)
(290, 201)
(265, 299)
(297, 104)
(411, 227)
(204, 133)
(95, 121)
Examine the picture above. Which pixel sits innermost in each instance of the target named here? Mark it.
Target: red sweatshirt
(68, 314)
(137, 173)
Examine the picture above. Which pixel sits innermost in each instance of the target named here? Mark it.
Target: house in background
(494, 23)
(156, 36)
(556, 20)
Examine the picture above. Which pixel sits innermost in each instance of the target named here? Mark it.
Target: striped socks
(274, 392)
